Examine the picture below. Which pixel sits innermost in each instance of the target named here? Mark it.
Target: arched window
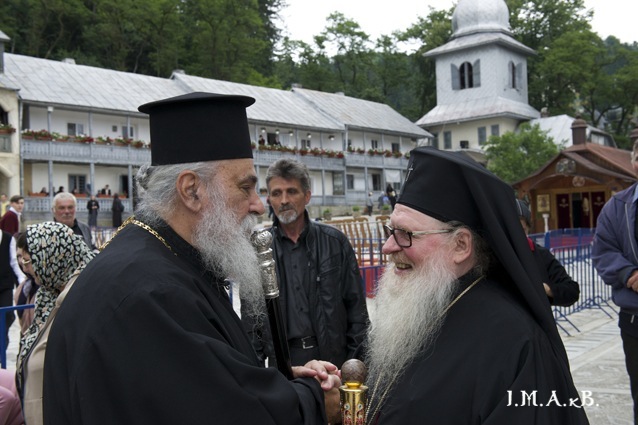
(466, 76)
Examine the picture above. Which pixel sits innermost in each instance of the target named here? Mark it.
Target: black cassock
(147, 337)
(489, 356)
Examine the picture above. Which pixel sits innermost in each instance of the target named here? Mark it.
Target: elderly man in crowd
(464, 332)
(148, 334)
(64, 206)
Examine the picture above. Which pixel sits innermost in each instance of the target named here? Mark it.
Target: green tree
(224, 38)
(141, 36)
(513, 156)
(431, 32)
(352, 58)
(563, 76)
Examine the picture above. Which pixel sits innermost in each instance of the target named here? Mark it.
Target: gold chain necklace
(388, 387)
(149, 229)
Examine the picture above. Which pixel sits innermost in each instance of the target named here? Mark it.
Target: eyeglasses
(403, 238)
(25, 262)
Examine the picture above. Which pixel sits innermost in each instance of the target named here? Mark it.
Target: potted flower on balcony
(137, 144)
(397, 154)
(327, 214)
(303, 151)
(122, 141)
(28, 134)
(7, 129)
(43, 135)
(59, 137)
(84, 139)
(103, 140)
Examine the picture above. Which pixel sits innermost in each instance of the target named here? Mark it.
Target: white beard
(225, 247)
(410, 312)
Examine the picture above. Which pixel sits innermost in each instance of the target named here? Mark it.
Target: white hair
(157, 189)
(62, 196)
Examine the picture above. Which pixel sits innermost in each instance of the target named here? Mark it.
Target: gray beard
(224, 244)
(409, 314)
(287, 217)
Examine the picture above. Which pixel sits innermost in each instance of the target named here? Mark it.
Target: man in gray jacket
(64, 206)
(321, 290)
(615, 256)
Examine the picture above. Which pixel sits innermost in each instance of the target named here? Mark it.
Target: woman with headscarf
(54, 256)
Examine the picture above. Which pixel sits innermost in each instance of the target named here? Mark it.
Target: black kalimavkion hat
(199, 127)
(450, 186)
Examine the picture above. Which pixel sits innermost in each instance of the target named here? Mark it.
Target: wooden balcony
(83, 153)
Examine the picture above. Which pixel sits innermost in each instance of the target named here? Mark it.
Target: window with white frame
(376, 181)
(482, 135)
(466, 76)
(495, 130)
(435, 140)
(447, 140)
(128, 132)
(337, 183)
(77, 181)
(396, 147)
(74, 129)
(350, 181)
(305, 144)
(374, 144)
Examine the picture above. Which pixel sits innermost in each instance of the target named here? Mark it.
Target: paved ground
(595, 354)
(597, 362)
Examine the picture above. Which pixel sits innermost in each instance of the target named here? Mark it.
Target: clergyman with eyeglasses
(462, 330)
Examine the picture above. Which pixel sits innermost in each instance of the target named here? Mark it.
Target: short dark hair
(16, 198)
(21, 241)
(290, 169)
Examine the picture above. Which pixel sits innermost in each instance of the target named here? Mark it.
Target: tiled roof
(480, 39)
(272, 105)
(84, 87)
(559, 127)
(68, 85)
(477, 109)
(361, 114)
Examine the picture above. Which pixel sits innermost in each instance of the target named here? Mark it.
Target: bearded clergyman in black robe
(463, 333)
(148, 334)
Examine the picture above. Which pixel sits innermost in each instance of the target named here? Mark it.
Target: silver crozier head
(261, 240)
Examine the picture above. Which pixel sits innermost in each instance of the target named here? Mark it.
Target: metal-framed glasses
(403, 238)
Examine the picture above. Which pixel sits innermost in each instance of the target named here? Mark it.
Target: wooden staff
(262, 240)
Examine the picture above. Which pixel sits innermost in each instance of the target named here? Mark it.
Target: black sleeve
(565, 289)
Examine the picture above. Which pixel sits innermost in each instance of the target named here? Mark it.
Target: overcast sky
(303, 19)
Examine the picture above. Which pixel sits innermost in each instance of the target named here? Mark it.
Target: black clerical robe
(145, 336)
(484, 368)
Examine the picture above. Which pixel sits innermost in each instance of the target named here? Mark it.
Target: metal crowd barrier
(3, 330)
(572, 248)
